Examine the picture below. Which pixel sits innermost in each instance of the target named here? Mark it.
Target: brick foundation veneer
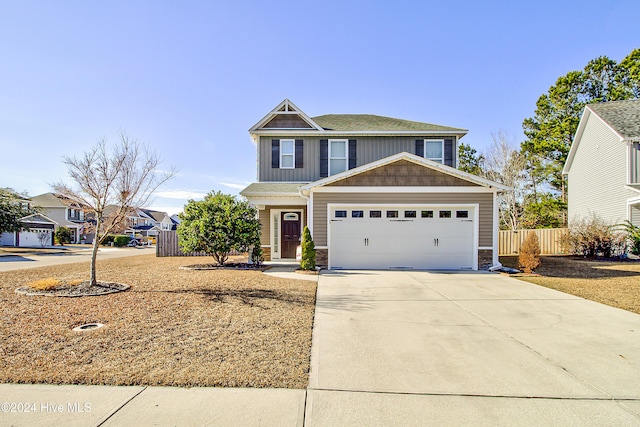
(266, 253)
(322, 258)
(485, 259)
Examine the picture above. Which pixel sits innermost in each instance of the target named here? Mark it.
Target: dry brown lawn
(173, 327)
(613, 283)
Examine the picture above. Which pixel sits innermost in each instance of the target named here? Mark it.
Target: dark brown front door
(290, 235)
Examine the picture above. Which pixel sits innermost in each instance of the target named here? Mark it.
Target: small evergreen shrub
(529, 258)
(62, 235)
(308, 261)
(121, 240)
(633, 235)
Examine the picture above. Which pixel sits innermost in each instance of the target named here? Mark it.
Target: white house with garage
(376, 192)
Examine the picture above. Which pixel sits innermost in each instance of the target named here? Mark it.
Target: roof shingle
(370, 122)
(622, 116)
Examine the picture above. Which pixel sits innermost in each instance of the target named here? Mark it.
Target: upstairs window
(287, 154)
(338, 156)
(434, 150)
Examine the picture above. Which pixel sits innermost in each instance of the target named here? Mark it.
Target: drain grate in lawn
(173, 327)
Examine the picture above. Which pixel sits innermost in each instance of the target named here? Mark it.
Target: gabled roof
(38, 217)
(48, 200)
(287, 110)
(370, 122)
(411, 158)
(155, 215)
(622, 117)
(288, 119)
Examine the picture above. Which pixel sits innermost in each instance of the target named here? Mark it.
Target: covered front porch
(283, 215)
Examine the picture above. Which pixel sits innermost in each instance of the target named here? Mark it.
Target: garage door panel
(420, 243)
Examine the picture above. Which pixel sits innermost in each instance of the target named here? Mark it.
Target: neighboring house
(147, 222)
(376, 192)
(65, 213)
(38, 231)
(603, 165)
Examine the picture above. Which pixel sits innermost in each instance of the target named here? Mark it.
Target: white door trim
(272, 244)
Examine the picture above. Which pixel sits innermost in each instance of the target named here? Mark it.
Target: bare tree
(44, 237)
(112, 182)
(505, 164)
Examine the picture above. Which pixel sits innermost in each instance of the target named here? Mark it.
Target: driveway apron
(415, 347)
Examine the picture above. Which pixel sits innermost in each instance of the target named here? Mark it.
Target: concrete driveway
(422, 348)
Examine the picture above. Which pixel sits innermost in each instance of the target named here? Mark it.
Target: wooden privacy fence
(167, 245)
(509, 241)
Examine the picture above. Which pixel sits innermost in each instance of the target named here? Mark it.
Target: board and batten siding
(598, 175)
(484, 200)
(368, 149)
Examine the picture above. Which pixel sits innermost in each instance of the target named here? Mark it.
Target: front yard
(173, 327)
(613, 283)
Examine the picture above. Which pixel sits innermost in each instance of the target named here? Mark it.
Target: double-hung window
(287, 154)
(434, 150)
(338, 156)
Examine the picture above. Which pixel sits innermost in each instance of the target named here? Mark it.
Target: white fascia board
(412, 158)
(50, 221)
(277, 201)
(393, 189)
(303, 132)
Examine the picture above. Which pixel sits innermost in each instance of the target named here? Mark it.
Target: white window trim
(435, 159)
(345, 158)
(292, 154)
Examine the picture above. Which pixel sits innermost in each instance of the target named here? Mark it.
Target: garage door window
(375, 214)
(426, 214)
(462, 214)
(357, 214)
(445, 214)
(392, 214)
(409, 214)
(341, 214)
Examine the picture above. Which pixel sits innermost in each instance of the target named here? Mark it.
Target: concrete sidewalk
(404, 348)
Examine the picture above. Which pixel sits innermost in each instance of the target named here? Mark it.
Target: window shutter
(420, 147)
(324, 158)
(275, 153)
(448, 152)
(352, 153)
(298, 153)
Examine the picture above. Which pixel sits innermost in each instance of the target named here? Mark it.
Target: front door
(290, 235)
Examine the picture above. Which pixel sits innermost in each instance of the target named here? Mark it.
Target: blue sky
(189, 78)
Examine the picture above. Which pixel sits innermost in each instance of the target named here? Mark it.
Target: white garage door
(32, 237)
(442, 237)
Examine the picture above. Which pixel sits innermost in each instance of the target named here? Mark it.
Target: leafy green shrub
(108, 239)
(529, 257)
(594, 238)
(308, 261)
(217, 225)
(62, 235)
(121, 240)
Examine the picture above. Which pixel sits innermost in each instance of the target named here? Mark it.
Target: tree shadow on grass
(579, 268)
(250, 297)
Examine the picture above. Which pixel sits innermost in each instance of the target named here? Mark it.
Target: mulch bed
(84, 289)
(227, 266)
(173, 327)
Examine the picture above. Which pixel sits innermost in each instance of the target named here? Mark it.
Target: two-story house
(147, 222)
(376, 192)
(603, 165)
(65, 213)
